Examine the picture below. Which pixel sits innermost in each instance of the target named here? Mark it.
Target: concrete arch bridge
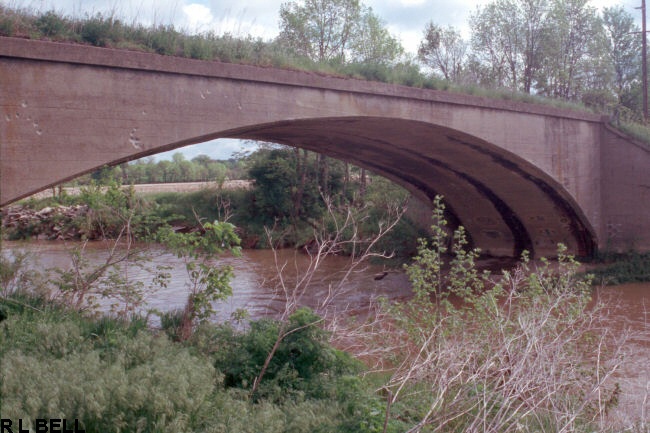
(517, 176)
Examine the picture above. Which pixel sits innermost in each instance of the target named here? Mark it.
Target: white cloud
(198, 17)
(222, 148)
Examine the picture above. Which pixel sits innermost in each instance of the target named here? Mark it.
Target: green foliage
(101, 31)
(336, 31)
(303, 364)
(288, 194)
(51, 25)
(117, 375)
(171, 322)
(7, 24)
(207, 283)
(163, 40)
(200, 169)
(211, 203)
(274, 178)
(639, 131)
(614, 269)
(426, 271)
(54, 368)
(214, 239)
(279, 184)
(443, 49)
(104, 209)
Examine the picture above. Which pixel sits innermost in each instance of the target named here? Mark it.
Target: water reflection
(255, 284)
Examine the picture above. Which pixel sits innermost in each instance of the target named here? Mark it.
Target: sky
(405, 20)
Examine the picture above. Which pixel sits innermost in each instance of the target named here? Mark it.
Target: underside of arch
(506, 204)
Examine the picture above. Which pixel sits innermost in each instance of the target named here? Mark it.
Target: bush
(108, 374)
(164, 40)
(523, 353)
(303, 364)
(52, 25)
(632, 267)
(101, 31)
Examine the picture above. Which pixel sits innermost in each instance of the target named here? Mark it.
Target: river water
(255, 285)
(257, 289)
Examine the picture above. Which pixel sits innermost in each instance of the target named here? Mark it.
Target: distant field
(149, 188)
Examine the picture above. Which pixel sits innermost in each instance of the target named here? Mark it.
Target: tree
(623, 49)
(567, 47)
(496, 41)
(507, 36)
(336, 30)
(319, 29)
(534, 14)
(373, 43)
(443, 49)
(279, 185)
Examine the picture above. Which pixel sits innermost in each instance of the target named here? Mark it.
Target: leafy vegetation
(632, 267)
(554, 48)
(202, 168)
(118, 375)
(524, 352)
(207, 282)
(469, 352)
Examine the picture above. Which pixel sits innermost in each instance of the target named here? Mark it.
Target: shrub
(101, 31)
(115, 375)
(523, 353)
(51, 25)
(56, 366)
(303, 364)
(623, 268)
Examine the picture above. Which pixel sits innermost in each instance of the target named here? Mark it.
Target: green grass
(639, 131)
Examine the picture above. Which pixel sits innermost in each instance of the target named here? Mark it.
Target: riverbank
(95, 212)
(59, 222)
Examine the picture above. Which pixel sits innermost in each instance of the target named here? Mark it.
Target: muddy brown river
(256, 289)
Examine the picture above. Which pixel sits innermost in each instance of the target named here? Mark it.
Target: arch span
(518, 176)
(487, 189)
